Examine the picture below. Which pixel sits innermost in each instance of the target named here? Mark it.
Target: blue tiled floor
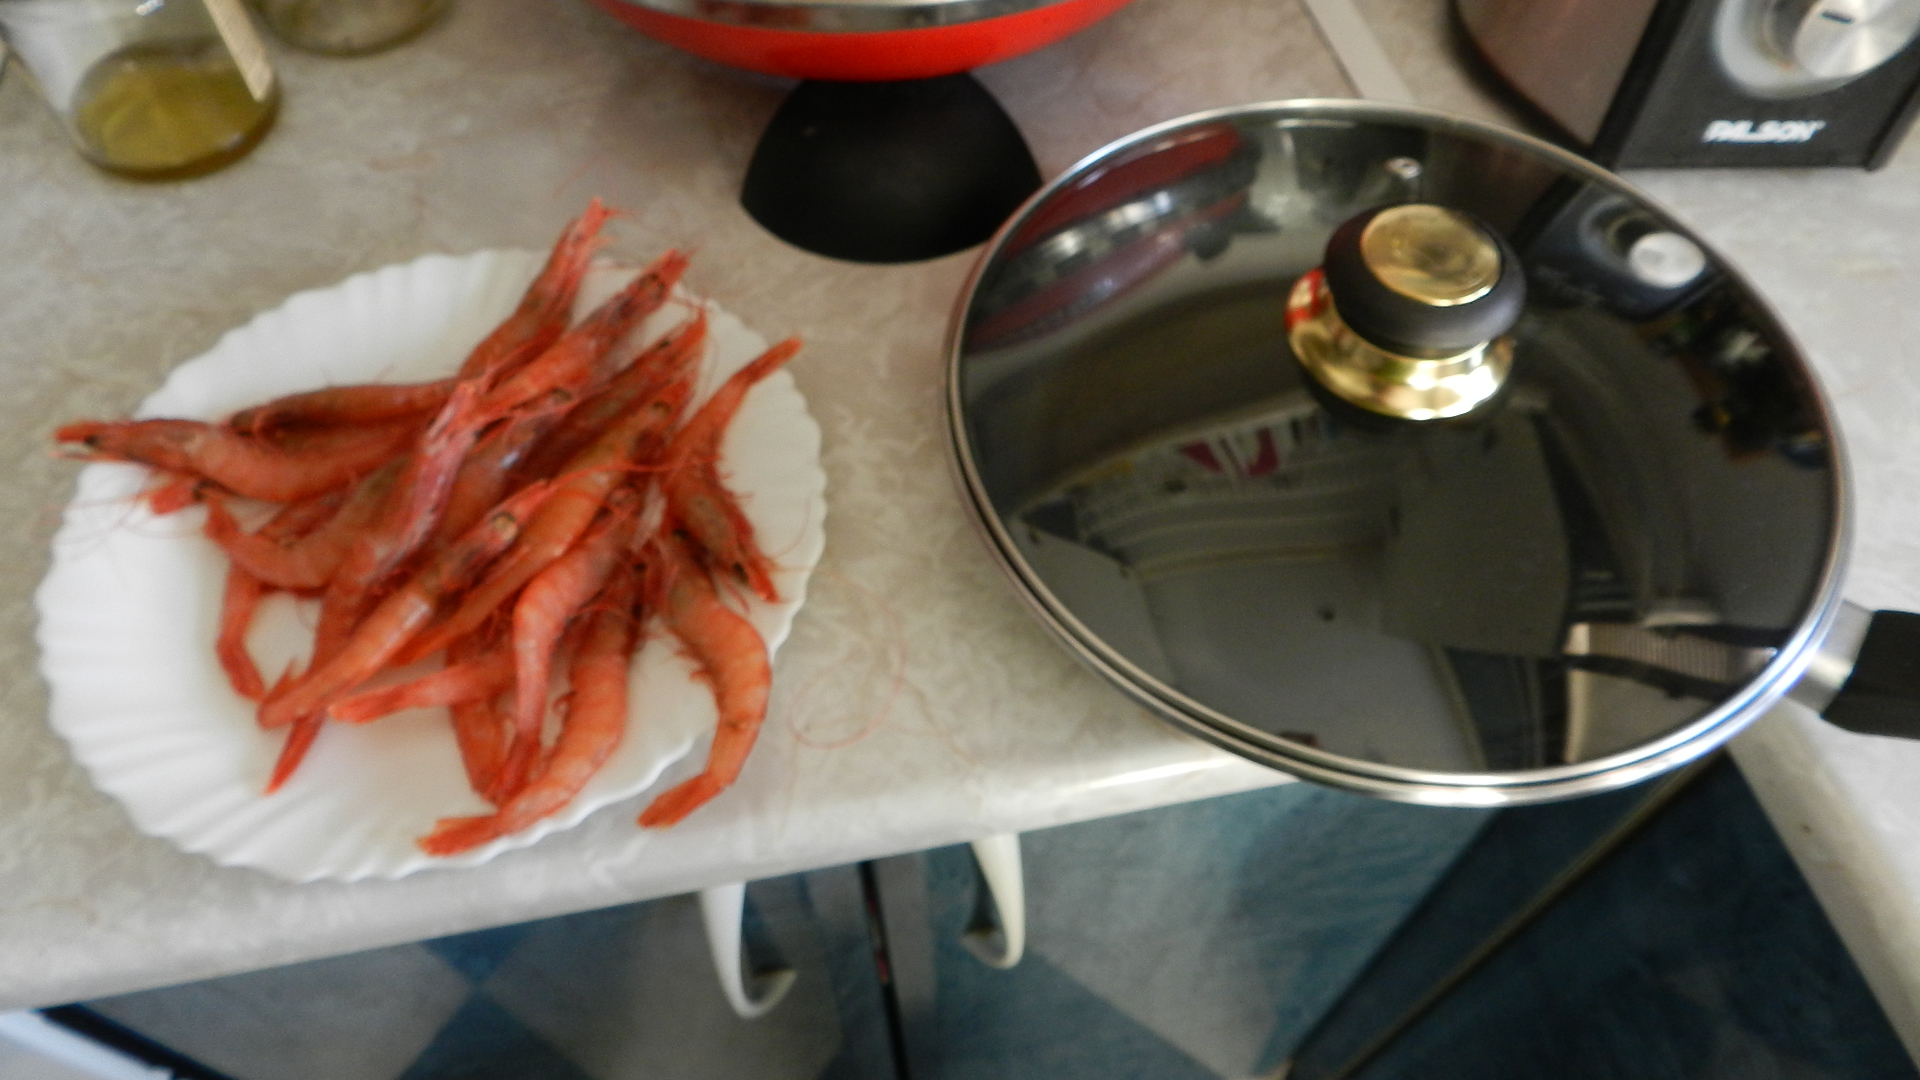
(483, 1041)
(1193, 943)
(1036, 1021)
(1695, 952)
(1196, 941)
(604, 995)
(479, 954)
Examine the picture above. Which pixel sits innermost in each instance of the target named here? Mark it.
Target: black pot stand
(888, 172)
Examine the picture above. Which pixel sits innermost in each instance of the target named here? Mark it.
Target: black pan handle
(1866, 676)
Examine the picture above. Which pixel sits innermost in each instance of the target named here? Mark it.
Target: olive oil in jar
(170, 108)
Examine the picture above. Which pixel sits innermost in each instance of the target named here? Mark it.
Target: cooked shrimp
(542, 613)
(596, 720)
(664, 362)
(589, 478)
(371, 403)
(579, 358)
(244, 465)
(698, 501)
(733, 660)
(547, 306)
(404, 611)
(479, 678)
(487, 473)
(309, 562)
(406, 519)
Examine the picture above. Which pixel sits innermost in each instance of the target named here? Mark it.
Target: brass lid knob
(1431, 254)
(1408, 314)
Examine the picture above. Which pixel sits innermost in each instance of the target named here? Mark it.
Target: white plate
(128, 614)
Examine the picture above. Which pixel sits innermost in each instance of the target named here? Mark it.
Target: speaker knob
(1839, 39)
(1408, 315)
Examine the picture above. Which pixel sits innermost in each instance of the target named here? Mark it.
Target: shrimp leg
(734, 660)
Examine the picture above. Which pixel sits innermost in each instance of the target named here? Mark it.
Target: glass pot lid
(1600, 571)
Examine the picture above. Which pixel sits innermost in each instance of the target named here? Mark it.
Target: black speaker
(1656, 83)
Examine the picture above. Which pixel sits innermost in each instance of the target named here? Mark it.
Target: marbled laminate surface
(492, 130)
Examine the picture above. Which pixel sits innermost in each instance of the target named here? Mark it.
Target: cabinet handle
(999, 860)
(720, 910)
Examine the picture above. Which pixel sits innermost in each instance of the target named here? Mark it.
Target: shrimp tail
(673, 806)
(480, 730)
(292, 752)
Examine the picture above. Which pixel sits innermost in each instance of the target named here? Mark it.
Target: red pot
(860, 41)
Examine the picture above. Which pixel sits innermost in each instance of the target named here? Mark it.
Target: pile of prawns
(523, 517)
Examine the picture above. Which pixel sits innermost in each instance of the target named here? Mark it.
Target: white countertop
(491, 131)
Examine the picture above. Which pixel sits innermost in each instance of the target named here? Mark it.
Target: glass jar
(151, 89)
(348, 27)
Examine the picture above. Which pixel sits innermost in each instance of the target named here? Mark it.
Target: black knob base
(888, 172)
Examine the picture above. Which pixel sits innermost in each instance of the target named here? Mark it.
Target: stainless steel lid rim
(1690, 741)
(841, 16)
